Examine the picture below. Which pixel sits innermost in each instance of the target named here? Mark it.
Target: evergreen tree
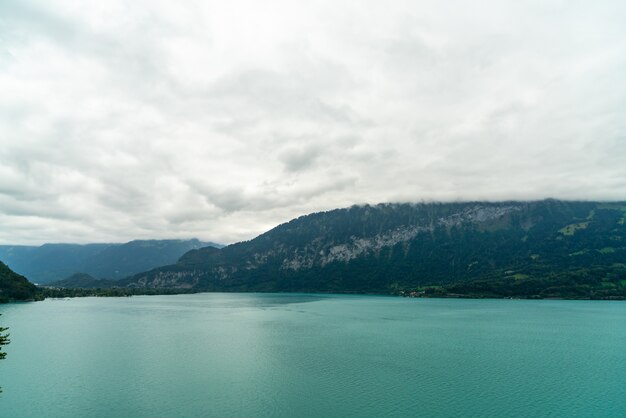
(4, 340)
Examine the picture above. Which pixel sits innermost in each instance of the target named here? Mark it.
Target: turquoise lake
(300, 355)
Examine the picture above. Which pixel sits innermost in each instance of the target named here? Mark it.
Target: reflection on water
(233, 354)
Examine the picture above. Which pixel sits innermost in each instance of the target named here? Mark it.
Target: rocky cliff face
(373, 248)
(354, 247)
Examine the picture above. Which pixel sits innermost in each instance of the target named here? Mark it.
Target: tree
(4, 340)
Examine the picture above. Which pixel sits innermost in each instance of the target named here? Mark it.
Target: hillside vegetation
(545, 248)
(14, 286)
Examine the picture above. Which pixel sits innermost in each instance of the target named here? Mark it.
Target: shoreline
(70, 293)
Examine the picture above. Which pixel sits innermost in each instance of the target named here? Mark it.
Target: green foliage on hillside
(4, 340)
(14, 286)
(526, 249)
(605, 282)
(82, 281)
(54, 292)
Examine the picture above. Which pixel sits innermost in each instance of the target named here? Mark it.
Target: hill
(81, 281)
(541, 248)
(51, 262)
(14, 286)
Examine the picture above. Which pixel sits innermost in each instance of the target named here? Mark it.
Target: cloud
(218, 120)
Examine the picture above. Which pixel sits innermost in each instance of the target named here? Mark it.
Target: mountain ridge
(400, 246)
(49, 262)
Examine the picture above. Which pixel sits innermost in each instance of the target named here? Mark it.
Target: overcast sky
(221, 119)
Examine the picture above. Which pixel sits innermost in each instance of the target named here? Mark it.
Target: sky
(124, 120)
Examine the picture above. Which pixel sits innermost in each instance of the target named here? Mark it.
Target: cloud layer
(150, 119)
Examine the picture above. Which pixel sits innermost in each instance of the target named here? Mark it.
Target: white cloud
(218, 120)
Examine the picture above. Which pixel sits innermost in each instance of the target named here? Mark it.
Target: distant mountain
(51, 262)
(117, 261)
(541, 248)
(14, 286)
(81, 281)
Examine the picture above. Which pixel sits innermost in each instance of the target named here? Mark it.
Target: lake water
(296, 355)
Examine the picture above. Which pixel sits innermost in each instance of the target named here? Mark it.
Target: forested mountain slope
(14, 286)
(392, 247)
(50, 262)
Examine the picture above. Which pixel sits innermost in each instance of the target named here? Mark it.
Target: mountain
(395, 248)
(81, 281)
(14, 286)
(51, 262)
(117, 261)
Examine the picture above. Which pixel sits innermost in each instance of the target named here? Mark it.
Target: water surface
(296, 355)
